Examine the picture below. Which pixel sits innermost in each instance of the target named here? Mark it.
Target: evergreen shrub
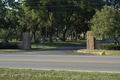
(110, 47)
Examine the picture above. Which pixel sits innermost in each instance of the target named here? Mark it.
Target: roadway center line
(41, 60)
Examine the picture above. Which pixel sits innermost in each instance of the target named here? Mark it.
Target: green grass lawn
(44, 45)
(47, 45)
(107, 52)
(28, 74)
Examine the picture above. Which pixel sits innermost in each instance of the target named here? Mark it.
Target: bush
(8, 46)
(110, 47)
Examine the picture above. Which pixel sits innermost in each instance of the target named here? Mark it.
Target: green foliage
(106, 22)
(8, 20)
(2, 14)
(10, 32)
(29, 15)
(12, 18)
(85, 11)
(7, 33)
(110, 47)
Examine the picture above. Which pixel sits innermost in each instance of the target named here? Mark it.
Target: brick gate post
(26, 41)
(90, 41)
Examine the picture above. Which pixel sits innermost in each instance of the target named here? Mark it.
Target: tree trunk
(64, 35)
(84, 36)
(72, 35)
(116, 40)
(51, 37)
(59, 34)
(33, 33)
(76, 37)
(46, 32)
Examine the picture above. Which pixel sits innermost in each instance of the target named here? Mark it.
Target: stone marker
(90, 41)
(26, 41)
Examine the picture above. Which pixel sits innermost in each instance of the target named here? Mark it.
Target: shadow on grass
(62, 44)
(68, 45)
(59, 45)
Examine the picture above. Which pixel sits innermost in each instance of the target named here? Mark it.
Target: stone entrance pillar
(90, 41)
(26, 41)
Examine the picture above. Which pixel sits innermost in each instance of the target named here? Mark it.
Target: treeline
(46, 18)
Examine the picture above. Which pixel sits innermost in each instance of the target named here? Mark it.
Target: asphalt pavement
(65, 58)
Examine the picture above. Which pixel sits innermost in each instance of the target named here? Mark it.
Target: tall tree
(78, 10)
(2, 14)
(54, 15)
(9, 20)
(61, 14)
(3, 23)
(32, 16)
(106, 23)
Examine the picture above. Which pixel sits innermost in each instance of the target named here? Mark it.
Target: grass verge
(47, 45)
(101, 52)
(44, 45)
(28, 74)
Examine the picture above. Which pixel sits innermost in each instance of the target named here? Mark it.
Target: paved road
(60, 59)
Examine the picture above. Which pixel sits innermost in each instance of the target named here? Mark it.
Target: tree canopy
(52, 15)
(106, 23)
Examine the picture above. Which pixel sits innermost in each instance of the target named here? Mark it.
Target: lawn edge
(99, 53)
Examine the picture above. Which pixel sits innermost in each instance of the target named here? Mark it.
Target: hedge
(110, 47)
(8, 46)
